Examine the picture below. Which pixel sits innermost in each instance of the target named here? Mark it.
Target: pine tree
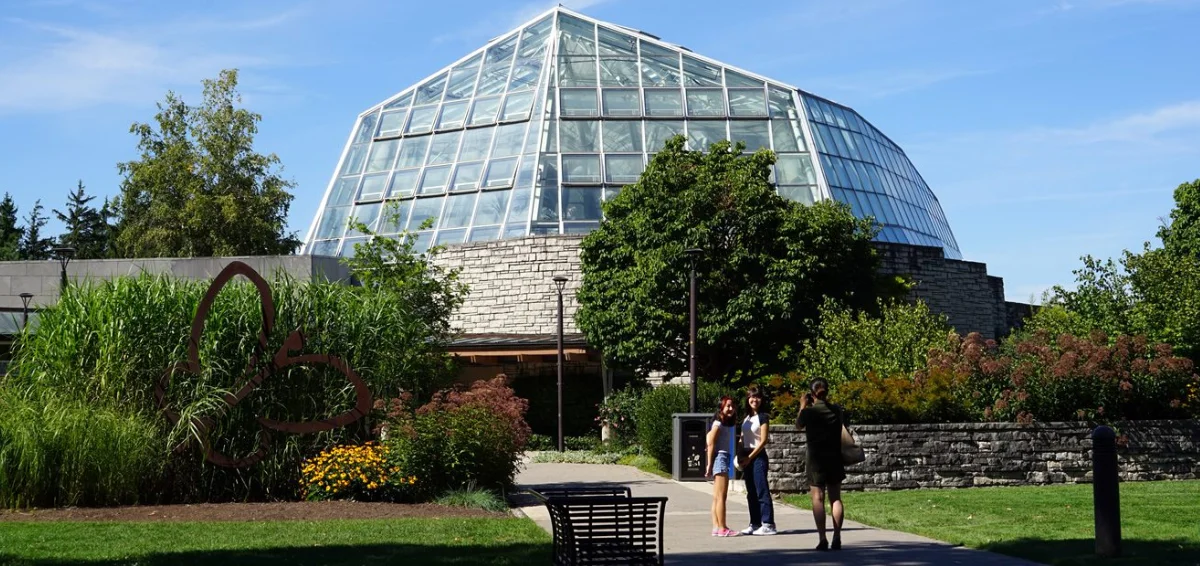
(33, 245)
(10, 233)
(86, 230)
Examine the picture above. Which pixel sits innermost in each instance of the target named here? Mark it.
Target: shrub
(473, 498)
(619, 413)
(539, 442)
(358, 472)
(575, 457)
(932, 397)
(657, 406)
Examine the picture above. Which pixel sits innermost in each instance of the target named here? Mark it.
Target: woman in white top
(754, 465)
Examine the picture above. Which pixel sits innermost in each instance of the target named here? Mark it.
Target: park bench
(604, 525)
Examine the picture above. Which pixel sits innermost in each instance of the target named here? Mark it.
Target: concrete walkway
(687, 525)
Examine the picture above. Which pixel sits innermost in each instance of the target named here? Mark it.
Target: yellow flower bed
(358, 472)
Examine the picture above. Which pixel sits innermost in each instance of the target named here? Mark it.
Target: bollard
(1106, 494)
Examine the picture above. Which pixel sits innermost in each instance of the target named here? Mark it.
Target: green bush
(619, 413)
(657, 406)
(932, 397)
(575, 457)
(473, 498)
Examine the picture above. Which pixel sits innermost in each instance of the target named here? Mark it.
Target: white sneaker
(764, 530)
(749, 530)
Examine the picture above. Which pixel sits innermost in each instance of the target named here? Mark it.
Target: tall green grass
(86, 377)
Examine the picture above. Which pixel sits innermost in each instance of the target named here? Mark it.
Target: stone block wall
(511, 287)
(972, 300)
(983, 454)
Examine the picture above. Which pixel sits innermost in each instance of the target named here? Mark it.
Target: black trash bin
(689, 445)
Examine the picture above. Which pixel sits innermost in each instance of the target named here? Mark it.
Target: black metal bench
(604, 525)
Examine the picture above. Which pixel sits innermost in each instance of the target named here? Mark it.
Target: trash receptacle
(689, 445)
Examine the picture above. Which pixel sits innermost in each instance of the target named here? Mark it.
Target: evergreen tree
(86, 230)
(33, 245)
(10, 233)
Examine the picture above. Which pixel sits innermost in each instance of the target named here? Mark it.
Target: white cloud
(1143, 127)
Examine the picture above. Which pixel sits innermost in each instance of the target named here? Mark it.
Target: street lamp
(25, 309)
(64, 257)
(559, 282)
(693, 254)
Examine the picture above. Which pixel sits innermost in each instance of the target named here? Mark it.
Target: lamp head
(64, 252)
(694, 252)
(560, 281)
(25, 297)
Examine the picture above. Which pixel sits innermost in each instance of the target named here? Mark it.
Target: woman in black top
(822, 423)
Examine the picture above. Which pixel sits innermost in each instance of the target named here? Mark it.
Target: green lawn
(1160, 521)
(385, 541)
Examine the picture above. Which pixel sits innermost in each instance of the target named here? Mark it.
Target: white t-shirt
(750, 428)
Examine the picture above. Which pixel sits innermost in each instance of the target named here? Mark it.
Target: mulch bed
(286, 511)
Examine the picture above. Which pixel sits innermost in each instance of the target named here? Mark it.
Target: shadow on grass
(391, 554)
(1077, 552)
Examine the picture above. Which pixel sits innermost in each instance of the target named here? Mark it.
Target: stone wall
(511, 287)
(972, 300)
(982, 454)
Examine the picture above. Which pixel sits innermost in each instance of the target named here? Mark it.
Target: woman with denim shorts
(721, 452)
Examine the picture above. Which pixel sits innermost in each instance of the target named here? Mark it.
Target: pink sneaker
(726, 533)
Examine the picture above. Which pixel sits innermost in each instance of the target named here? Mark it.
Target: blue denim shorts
(721, 464)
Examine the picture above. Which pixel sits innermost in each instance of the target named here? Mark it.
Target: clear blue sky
(1049, 129)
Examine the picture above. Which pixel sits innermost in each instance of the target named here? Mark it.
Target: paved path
(687, 526)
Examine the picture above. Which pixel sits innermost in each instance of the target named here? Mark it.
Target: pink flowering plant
(618, 411)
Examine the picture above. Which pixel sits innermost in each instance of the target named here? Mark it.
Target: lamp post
(559, 282)
(25, 309)
(64, 257)
(693, 254)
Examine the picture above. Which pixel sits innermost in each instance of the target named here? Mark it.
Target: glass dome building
(530, 133)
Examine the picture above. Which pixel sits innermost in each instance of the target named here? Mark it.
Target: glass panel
(366, 127)
(795, 170)
(450, 237)
(734, 79)
(495, 67)
(343, 191)
(622, 169)
(578, 101)
(580, 227)
(611, 193)
(509, 139)
(404, 183)
(576, 52)
(348, 246)
(324, 247)
(475, 144)
(443, 148)
(462, 80)
(424, 209)
(525, 172)
(355, 158)
(782, 105)
(623, 135)
(518, 212)
(412, 153)
(785, 136)
(658, 132)
(705, 102)
(517, 107)
(484, 234)
(373, 187)
(547, 207)
(391, 123)
(466, 177)
(490, 209)
(622, 102)
(333, 222)
(484, 111)
(746, 102)
(401, 102)
(393, 217)
(458, 210)
(618, 58)
(579, 135)
(581, 203)
(432, 90)
(421, 119)
(581, 169)
(701, 134)
(367, 214)
(500, 173)
(525, 73)
(660, 66)
(382, 155)
(754, 133)
(664, 102)
(454, 115)
(434, 181)
(699, 73)
(803, 195)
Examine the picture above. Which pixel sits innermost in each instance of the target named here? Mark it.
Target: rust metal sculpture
(282, 358)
